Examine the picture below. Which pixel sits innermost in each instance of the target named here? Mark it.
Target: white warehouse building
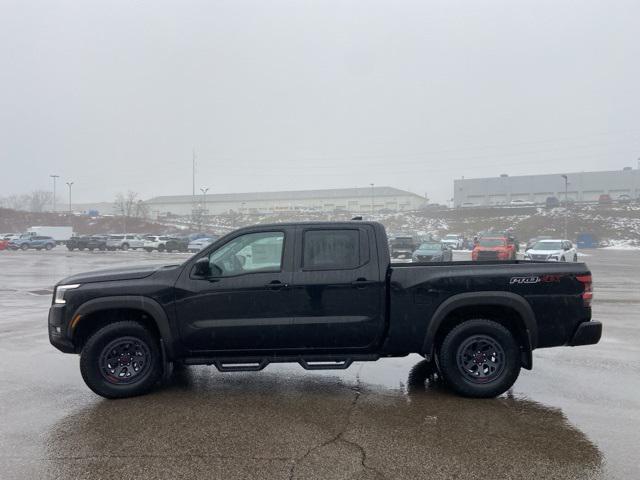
(581, 187)
(352, 200)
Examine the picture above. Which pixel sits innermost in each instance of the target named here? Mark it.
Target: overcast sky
(281, 95)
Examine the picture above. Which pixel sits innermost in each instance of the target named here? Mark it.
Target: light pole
(54, 190)
(566, 204)
(69, 184)
(372, 196)
(204, 191)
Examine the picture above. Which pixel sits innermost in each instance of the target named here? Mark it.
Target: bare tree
(16, 202)
(38, 199)
(142, 210)
(125, 204)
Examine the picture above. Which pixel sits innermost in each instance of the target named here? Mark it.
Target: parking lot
(576, 415)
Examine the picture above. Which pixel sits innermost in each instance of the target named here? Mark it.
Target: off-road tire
(92, 367)
(450, 359)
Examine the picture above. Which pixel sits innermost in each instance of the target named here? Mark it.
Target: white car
(124, 241)
(199, 244)
(155, 242)
(521, 203)
(552, 251)
(453, 240)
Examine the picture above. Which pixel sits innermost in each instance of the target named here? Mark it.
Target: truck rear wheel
(121, 360)
(479, 358)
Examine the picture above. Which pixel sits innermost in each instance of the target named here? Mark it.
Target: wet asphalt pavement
(576, 415)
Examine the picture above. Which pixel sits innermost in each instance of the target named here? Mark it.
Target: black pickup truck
(323, 295)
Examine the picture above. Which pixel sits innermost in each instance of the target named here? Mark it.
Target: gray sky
(312, 94)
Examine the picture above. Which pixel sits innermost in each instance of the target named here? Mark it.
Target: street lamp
(54, 190)
(566, 204)
(204, 191)
(69, 184)
(372, 195)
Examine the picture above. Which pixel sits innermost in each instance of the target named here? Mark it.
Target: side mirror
(202, 268)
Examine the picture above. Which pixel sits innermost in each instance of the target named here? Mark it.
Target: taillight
(587, 294)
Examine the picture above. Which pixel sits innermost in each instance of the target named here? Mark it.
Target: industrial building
(581, 187)
(344, 199)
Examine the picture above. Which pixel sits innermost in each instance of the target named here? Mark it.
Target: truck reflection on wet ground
(297, 425)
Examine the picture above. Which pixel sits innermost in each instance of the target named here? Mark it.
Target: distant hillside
(607, 223)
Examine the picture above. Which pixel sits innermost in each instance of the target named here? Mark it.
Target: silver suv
(124, 241)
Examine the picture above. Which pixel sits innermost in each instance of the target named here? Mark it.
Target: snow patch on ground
(623, 245)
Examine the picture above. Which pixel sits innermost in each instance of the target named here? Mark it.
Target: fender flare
(135, 302)
(500, 299)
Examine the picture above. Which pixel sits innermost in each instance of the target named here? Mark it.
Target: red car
(494, 248)
(3, 244)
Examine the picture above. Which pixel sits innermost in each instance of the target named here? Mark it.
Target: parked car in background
(432, 251)
(605, 199)
(155, 242)
(494, 248)
(124, 241)
(59, 234)
(9, 236)
(453, 240)
(532, 241)
(199, 244)
(552, 251)
(552, 202)
(97, 242)
(27, 241)
(4, 244)
(77, 243)
(177, 244)
(402, 246)
(521, 203)
(624, 198)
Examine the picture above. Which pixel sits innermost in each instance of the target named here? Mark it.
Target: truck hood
(114, 274)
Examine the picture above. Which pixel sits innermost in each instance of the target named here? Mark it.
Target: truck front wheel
(479, 358)
(121, 360)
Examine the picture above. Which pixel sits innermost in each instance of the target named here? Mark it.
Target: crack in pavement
(339, 437)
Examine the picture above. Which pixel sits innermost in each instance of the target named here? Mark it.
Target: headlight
(60, 291)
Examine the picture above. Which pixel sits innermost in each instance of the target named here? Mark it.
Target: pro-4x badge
(524, 280)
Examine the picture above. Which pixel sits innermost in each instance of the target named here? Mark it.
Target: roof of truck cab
(310, 223)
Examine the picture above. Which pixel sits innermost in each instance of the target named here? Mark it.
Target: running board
(255, 364)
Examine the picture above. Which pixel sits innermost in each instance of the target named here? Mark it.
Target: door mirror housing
(202, 268)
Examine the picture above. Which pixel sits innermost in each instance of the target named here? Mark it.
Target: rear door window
(331, 249)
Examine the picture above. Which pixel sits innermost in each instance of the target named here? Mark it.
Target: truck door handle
(276, 285)
(361, 283)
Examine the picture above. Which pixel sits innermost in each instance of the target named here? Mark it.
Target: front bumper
(58, 330)
(587, 333)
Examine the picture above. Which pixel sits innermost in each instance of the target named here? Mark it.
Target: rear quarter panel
(417, 290)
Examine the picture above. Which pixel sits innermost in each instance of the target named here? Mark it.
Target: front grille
(538, 257)
(487, 255)
(424, 258)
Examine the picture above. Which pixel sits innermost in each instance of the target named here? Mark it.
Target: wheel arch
(512, 310)
(153, 314)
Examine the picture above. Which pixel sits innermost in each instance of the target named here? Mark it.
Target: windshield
(492, 242)
(548, 246)
(430, 246)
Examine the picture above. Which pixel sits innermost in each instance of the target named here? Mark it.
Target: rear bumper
(587, 333)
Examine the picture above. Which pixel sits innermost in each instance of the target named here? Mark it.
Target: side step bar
(255, 364)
